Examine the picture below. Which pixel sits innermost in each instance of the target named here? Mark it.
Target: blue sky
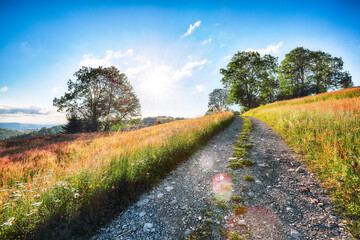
(171, 51)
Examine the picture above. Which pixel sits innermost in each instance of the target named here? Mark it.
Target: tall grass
(58, 179)
(325, 130)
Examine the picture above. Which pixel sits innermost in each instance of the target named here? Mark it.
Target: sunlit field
(54, 177)
(325, 130)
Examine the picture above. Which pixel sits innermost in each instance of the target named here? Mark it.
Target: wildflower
(57, 200)
(9, 222)
(36, 204)
(15, 195)
(76, 195)
(36, 195)
(32, 212)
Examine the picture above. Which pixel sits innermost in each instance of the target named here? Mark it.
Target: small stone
(320, 204)
(142, 202)
(250, 194)
(147, 227)
(291, 170)
(295, 234)
(169, 188)
(173, 201)
(143, 213)
(160, 195)
(289, 209)
(263, 165)
(199, 218)
(242, 222)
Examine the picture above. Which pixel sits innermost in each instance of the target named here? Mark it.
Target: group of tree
(253, 80)
(99, 99)
(16, 134)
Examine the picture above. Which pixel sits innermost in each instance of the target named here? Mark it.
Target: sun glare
(156, 82)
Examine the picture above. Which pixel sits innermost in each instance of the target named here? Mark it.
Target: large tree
(218, 100)
(250, 79)
(293, 74)
(99, 97)
(304, 72)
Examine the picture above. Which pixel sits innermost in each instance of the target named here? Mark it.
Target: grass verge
(325, 130)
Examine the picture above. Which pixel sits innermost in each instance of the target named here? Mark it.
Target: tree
(218, 100)
(250, 79)
(74, 124)
(304, 72)
(100, 97)
(293, 74)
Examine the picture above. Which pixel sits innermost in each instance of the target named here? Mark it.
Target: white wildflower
(36, 204)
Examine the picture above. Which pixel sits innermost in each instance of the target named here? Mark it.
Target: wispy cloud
(89, 60)
(228, 57)
(8, 109)
(191, 28)
(4, 89)
(269, 49)
(207, 41)
(31, 114)
(198, 89)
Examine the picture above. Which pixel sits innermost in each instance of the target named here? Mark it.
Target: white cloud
(198, 89)
(4, 89)
(57, 89)
(31, 114)
(89, 60)
(228, 57)
(207, 41)
(269, 49)
(191, 28)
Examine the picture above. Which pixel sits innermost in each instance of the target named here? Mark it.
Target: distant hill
(8, 133)
(23, 126)
(19, 134)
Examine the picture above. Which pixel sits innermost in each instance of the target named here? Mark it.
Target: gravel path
(284, 201)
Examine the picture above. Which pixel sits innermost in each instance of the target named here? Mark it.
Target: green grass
(248, 178)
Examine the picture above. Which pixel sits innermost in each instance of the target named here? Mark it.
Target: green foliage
(253, 80)
(42, 132)
(250, 79)
(249, 178)
(218, 100)
(241, 147)
(8, 133)
(304, 72)
(100, 97)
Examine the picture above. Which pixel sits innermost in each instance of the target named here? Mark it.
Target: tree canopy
(250, 79)
(218, 100)
(253, 80)
(98, 98)
(304, 72)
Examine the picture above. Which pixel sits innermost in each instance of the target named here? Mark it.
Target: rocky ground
(204, 199)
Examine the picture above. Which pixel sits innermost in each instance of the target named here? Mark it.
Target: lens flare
(222, 186)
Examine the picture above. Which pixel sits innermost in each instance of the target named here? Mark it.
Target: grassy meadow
(58, 178)
(325, 130)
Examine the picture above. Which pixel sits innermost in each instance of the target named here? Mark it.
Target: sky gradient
(170, 51)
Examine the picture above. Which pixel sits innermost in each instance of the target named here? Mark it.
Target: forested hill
(18, 134)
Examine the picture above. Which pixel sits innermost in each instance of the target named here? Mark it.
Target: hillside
(52, 181)
(325, 130)
(21, 134)
(8, 133)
